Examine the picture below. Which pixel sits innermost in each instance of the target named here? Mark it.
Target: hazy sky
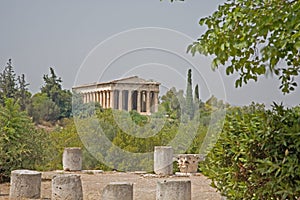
(95, 40)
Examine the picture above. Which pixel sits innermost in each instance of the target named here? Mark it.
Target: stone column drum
(163, 160)
(25, 184)
(173, 190)
(72, 159)
(66, 186)
(118, 191)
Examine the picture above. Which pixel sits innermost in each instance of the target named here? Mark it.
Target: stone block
(25, 184)
(173, 190)
(66, 186)
(72, 159)
(163, 160)
(118, 191)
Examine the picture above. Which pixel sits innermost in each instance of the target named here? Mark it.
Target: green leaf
(229, 70)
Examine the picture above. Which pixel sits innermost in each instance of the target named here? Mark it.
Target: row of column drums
(26, 184)
(143, 101)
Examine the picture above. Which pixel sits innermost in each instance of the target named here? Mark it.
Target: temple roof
(134, 79)
(128, 80)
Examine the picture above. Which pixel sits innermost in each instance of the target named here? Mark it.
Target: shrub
(21, 144)
(257, 155)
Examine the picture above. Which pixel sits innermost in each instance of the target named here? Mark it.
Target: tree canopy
(53, 89)
(13, 87)
(253, 38)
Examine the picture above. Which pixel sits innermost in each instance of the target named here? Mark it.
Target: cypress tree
(197, 98)
(189, 96)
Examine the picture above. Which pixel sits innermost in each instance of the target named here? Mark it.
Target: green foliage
(52, 85)
(138, 119)
(23, 95)
(189, 96)
(61, 98)
(128, 139)
(43, 109)
(178, 107)
(21, 145)
(83, 110)
(173, 103)
(12, 87)
(197, 97)
(251, 38)
(257, 154)
(65, 103)
(8, 82)
(67, 136)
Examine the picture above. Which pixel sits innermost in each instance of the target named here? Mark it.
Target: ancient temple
(132, 93)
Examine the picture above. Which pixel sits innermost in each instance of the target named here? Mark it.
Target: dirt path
(144, 185)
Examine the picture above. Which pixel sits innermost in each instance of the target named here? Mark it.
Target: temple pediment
(134, 80)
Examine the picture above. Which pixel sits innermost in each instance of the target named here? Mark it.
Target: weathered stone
(72, 159)
(25, 184)
(188, 163)
(163, 160)
(66, 186)
(118, 191)
(173, 190)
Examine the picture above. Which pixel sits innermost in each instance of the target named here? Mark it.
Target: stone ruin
(27, 183)
(188, 163)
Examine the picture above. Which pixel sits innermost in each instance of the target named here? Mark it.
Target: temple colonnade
(143, 101)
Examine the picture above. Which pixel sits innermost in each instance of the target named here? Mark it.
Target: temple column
(91, 97)
(97, 97)
(120, 100)
(104, 99)
(148, 111)
(112, 99)
(155, 101)
(94, 96)
(129, 102)
(138, 106)
(88, 97)
(108, 98)
(101, 99)
(84, 97)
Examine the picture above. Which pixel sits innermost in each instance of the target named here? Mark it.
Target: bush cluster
(21, 144)
(257, 155)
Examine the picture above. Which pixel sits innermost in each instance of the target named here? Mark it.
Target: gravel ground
(144, 185)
